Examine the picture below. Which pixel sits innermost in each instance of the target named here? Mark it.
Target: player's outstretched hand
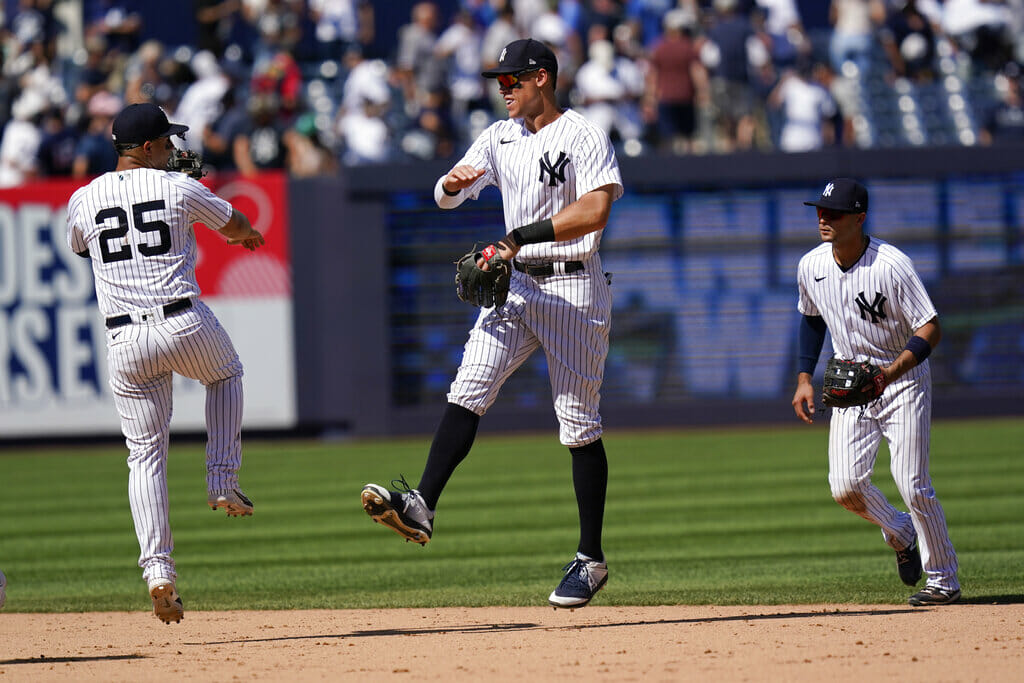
(251, 243)
(461, 177)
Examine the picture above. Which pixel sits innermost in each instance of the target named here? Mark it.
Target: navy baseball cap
(139, 123)
(524, 55)
(843, 194)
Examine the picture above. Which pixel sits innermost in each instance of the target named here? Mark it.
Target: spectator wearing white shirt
(458, 47)
(335, 26)
(21, 138)
(610, 88)
(201, 102)
(806, 106)
(782, 22)
(981, 29)
(852, 34)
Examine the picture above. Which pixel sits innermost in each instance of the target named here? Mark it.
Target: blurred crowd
(309, 85)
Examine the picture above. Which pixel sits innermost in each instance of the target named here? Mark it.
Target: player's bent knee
(849, 497)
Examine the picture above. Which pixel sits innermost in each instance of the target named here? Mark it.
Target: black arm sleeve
(83, 254)
(811, 337)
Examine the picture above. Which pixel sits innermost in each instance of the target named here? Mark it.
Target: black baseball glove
(851, 383)
(188, 162)
(482, 287)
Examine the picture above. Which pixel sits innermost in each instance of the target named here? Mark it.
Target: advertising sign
(53, 373)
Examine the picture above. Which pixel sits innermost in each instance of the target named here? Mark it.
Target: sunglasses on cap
(512, 81)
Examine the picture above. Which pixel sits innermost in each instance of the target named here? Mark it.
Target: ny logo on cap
(828, 190)
(502, 57)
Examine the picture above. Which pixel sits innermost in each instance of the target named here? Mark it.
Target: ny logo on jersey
(874, 309)
(556, 170)
(828, 190)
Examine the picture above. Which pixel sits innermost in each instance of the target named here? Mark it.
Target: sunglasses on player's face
(513, 81)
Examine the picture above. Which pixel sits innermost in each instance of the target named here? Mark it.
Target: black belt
(545, 269)
(173, 307)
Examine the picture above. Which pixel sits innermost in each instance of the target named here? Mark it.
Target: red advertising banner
(53, 375)
(222, 270)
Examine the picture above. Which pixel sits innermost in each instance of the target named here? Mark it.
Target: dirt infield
(765, 643)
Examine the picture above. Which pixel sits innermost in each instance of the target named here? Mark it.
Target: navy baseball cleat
(583, 578)
(908, 563)
(933, 595)
(404, 511)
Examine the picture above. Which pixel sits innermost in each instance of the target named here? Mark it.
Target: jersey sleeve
(596, 165)
(479, 156)
(914, 301)
(76, 237)
(203, 206)
(804, 302)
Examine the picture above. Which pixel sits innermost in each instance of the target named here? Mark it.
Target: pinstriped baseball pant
(569, 316)
(142, 359)
(903, 418)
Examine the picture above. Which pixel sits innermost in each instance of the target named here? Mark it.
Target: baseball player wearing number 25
(558, 177)
(868, 295)
(135, 224)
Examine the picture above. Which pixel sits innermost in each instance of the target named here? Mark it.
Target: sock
(590, 479)
(452, 441)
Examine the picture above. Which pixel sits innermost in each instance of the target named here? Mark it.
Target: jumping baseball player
(558, 177)
(867, 294)
(135, 224)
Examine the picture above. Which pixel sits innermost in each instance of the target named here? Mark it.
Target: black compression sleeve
(541, 231)
(811, 337)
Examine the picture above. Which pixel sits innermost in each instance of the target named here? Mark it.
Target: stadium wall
(348, 322)
(703, 251)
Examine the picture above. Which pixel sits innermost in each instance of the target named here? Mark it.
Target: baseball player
(867, 294)
(135, 224)
(558, 177)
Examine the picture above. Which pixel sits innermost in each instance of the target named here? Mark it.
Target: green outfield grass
(739, 516)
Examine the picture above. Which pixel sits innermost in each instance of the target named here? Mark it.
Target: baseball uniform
(136, 226)
(544, 161)
(566, 314)
(872, 309)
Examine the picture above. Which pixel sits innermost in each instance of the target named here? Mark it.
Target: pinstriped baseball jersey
(568, 315)
(872, 309)
(541, 173)
(877, 303)
(137, 226)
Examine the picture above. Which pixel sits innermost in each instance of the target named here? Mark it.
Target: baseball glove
(188, 162)
(851, 383)
(482, 287)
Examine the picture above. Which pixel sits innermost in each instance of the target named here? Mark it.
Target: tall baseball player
(867, 294)
(558, 177)
(135, 223)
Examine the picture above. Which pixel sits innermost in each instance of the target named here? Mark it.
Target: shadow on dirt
(500, 628)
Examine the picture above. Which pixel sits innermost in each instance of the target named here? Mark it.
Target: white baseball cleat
(233, 501)
(166, 601)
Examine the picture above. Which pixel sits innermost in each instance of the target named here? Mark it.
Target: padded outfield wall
(348, 322)
(703, 252)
